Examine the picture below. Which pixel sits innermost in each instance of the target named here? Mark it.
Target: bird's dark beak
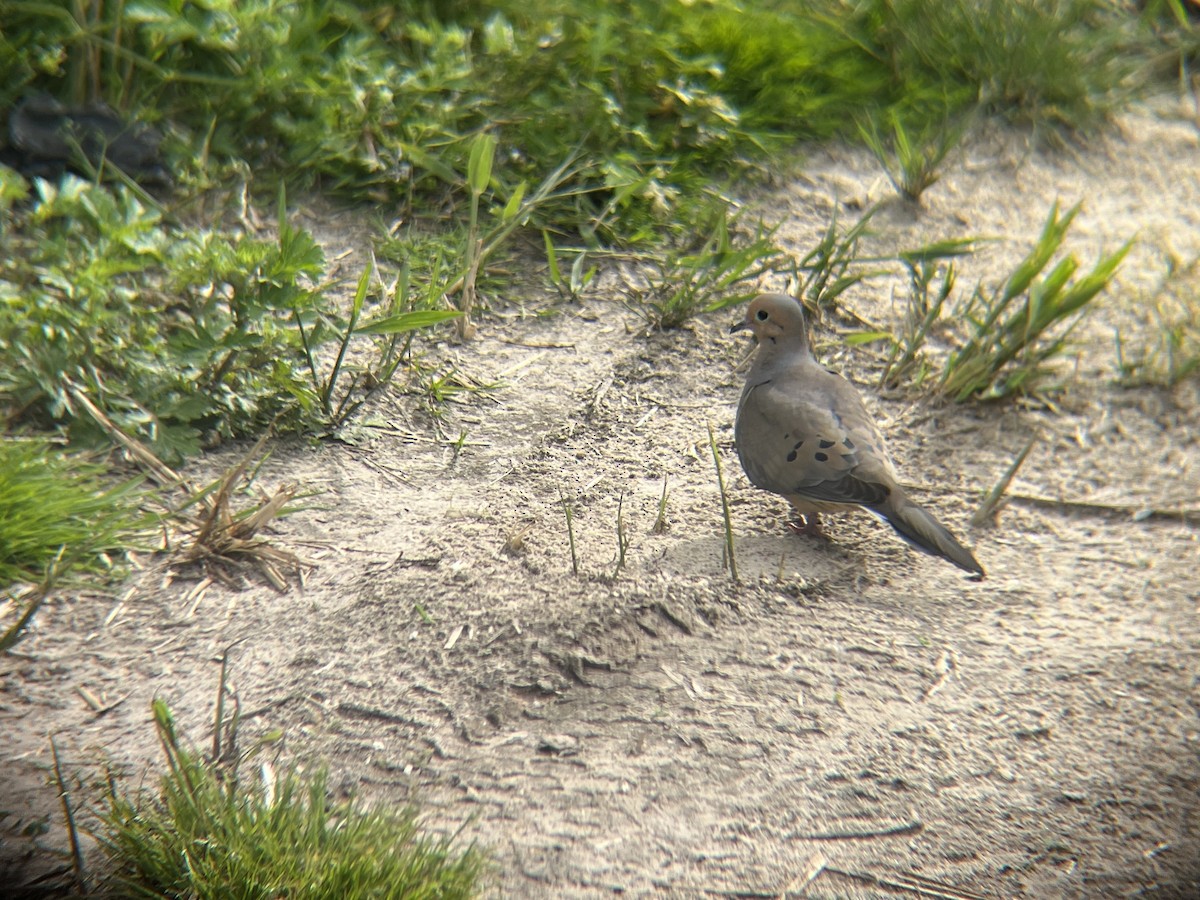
(739, 325)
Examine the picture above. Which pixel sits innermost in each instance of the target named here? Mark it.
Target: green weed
(1015, 331)
(180, 337)
(931, 282)
(623, 537)
(578, 279)
(833, 265)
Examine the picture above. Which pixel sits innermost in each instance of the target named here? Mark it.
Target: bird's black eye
(761, 315)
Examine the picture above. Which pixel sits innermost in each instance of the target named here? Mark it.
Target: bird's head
(774, 319)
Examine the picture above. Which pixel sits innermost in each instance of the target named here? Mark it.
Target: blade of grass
(730, 556)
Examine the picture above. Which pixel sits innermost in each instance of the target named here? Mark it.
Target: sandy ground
(850, 708)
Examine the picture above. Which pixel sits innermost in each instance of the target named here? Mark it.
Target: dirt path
(662, 729)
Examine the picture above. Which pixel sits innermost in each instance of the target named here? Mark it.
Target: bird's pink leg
(807, 524)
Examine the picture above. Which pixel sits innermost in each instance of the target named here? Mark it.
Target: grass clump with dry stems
(229, 824)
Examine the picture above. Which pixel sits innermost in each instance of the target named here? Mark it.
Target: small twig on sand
(1140, 513)
(911, 827)
(914, 884)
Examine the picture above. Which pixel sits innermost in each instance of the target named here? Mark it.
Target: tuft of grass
(729, 557)
(691, 282)
(224, 541)
(1017, 330)
(911, 160)
(1057, 64)
(926, 267)
(578, 279)
(214, 823)
(59, 511)
(1171, 350)
(623, 537)
(833, 265)
(570, 516)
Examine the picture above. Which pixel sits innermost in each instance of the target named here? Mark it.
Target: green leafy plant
(178, 336)
(573, 286)
(172, 334)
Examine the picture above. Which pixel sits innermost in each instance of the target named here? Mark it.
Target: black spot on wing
(822, 457)
(825, 445)
(791, 457)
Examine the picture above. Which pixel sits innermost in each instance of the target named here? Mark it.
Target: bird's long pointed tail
(925, 533)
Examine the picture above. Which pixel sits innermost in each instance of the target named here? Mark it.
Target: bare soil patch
(662, 729)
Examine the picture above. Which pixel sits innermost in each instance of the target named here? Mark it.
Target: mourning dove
(802, 432)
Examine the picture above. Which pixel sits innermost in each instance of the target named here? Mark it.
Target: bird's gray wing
(810, 436)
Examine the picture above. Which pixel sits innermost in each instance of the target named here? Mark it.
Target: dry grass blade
(812, 871)
(164, 474)
(913, 884)
(996, 494)
(730, 555)
(223, 540)
(34, 597)
(72, 832)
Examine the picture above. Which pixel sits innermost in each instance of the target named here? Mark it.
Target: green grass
(700, 278)
(1016, 331)
(1167, 348)
(911, 160)
(728, 554)
(1053, 64)
(220, 829)
(61, 510)
(655, 98)
(1009, 336)
(61, 519)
